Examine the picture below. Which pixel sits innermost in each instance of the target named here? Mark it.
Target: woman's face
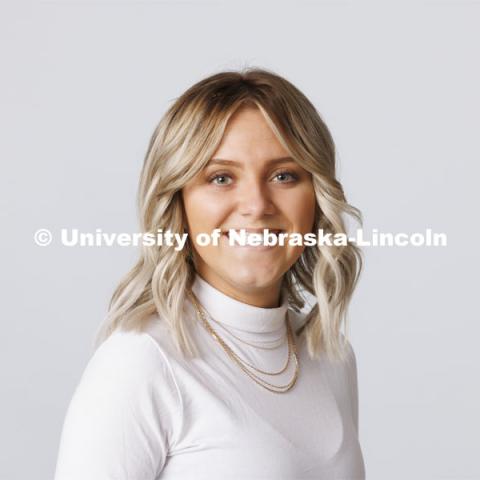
(249, 183)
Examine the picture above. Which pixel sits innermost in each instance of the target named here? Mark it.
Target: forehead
(249, 138)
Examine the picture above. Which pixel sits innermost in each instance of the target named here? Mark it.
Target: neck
(263, 297)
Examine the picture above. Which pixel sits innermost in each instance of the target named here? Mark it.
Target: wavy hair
(183, 142)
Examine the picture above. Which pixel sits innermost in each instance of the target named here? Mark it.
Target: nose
(255, 200)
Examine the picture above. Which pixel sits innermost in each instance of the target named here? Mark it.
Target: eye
(285, 173)
(220, 176)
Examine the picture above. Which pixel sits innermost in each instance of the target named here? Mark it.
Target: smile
(257, 231)
(258, 238)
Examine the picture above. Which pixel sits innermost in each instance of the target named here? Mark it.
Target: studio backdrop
(83, 86)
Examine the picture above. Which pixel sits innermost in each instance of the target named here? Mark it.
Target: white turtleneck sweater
(142, 412)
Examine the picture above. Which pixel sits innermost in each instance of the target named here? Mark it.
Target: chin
(253, 278)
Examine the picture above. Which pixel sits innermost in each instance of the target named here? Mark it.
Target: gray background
(83, 84)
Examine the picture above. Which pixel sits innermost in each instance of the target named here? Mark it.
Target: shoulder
(126, 363)
(124, 413)
(126, 351)
(350, 361)
(349, 348)
(126, 379)
(297, 319)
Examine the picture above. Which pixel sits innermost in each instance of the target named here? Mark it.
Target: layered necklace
(245, 366)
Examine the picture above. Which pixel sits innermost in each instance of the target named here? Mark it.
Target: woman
(206, 366)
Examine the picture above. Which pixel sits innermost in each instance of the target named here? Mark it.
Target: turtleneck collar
(268, 323)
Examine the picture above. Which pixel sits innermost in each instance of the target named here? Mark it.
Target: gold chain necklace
(261, 347)
(289, 356)
(211, 330)
(241, 363)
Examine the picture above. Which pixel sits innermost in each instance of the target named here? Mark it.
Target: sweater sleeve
(353, 378)
(122, 416)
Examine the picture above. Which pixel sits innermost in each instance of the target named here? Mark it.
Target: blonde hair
(183, 142)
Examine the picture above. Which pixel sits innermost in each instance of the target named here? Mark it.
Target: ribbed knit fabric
(142, 412)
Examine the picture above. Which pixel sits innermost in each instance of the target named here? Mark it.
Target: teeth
(275, 232)
(259, 233)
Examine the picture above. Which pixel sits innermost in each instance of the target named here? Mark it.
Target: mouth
(275, 231)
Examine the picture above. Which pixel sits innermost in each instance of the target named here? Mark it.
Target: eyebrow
(272, 161)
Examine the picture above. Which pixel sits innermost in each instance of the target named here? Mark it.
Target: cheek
(301, 209)
(204, 212)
